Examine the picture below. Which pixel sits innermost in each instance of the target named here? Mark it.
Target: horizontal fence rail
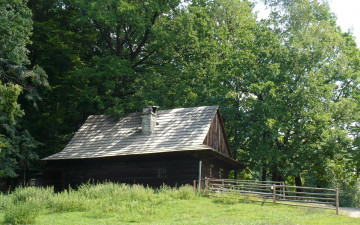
(276, 192)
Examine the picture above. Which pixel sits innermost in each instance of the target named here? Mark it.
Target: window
(161, 172)
(211, 170)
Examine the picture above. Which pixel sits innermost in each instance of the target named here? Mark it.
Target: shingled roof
(181, 129)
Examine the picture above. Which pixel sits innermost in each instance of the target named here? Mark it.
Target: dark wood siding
(216, 137)
(213, 168)
(180, 169)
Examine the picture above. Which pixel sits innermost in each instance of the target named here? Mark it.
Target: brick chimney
(149, 119)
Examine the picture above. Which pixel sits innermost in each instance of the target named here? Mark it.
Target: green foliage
(5, 200)
(9, 112)
(31, 194)
(67, 202)
(287, 86)
(16, 76)
(8, 103)
(121, 192)
(130, 38)
(229, 198)
(111, 203)
(294, 116)
(349, 195)
(23, 205)
(16, 25)
(184, 192)
(22, 213)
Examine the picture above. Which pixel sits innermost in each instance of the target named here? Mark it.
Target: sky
(346, 11)
(348, 15)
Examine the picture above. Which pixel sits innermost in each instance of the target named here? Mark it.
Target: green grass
(111, 203)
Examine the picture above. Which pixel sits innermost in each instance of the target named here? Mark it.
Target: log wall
(213, 169)
(180, 169)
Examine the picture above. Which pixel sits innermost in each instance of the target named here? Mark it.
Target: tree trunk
(274, 174)
(298, 183)
(237, 104)
(263, 176)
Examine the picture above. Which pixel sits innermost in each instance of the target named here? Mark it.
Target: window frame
(161, 172)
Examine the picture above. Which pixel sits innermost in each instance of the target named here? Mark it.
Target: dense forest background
(288, 86)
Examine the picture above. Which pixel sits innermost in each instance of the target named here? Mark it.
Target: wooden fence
(276, 192)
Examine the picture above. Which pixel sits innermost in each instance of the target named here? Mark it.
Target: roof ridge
(160, 110)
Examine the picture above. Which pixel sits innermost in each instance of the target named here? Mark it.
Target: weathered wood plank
(216, 137)
(177, 129)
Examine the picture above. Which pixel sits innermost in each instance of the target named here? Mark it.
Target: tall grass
(31, 194)
(22, 213)
(5, 200)
(99, 200)
(24, 204)
(111, 203)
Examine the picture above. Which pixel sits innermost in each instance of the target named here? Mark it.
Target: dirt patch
(352, 212)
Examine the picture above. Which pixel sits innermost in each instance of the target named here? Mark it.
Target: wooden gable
(216, 137)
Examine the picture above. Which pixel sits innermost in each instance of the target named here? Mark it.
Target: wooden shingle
(181, 129)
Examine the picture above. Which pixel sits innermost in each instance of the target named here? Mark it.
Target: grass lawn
(166, 207)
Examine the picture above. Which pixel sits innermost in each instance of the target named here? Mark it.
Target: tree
(299, 104)
(16, 77)
(287, 86)
(92, 72)
(10, 110)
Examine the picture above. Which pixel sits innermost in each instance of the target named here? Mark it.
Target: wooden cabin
(155, 147)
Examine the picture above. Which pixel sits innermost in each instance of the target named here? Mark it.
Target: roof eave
(234, 164)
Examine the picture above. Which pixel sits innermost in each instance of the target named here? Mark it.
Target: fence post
(283, 189)
(206, 186)
(199, 184)
(337, 201)
(274, 193)
(195, 186)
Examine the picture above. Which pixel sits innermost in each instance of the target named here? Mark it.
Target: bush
(22, 213)
(349, 195)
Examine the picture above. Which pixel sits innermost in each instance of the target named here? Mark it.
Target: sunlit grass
(111, 203)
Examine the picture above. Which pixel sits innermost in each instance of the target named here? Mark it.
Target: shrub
(22, 213)
(349, 195)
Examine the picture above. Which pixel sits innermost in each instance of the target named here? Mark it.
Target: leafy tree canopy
(288, 86)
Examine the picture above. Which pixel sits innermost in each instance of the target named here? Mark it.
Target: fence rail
(277, 191)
